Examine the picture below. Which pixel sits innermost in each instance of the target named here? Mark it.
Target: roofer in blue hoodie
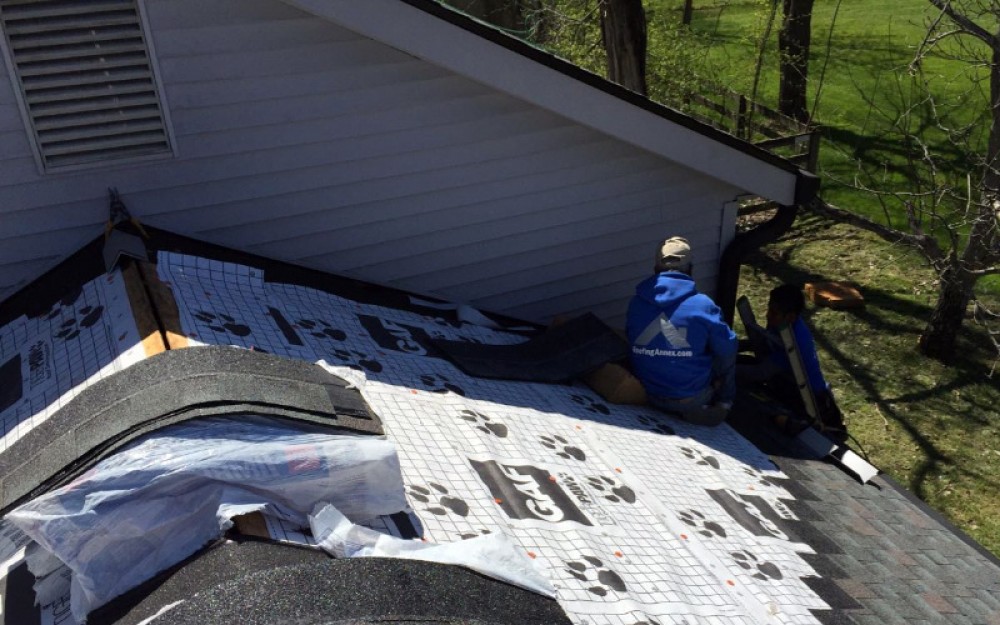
(683, 351)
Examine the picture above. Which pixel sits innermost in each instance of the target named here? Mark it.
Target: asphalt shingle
(897, 561)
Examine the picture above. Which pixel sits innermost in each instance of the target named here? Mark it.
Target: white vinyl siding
(302, 141)
(84, 72)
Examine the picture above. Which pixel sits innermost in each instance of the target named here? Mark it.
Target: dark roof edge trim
(37, 296)
(276, 271)
(474, 26)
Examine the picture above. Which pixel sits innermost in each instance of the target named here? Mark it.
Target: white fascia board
(437, 41)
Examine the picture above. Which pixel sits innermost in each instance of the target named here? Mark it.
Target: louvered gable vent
(86, 79)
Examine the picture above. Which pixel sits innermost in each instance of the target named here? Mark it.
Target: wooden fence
(762, 126)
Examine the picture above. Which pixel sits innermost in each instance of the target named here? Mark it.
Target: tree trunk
(991, 177)
(938, 338)
(623, 31)
(981, 248)
(793, 45)
(688, 12)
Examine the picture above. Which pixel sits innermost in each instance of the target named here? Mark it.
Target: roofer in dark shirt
(683, 351)
(773, 368)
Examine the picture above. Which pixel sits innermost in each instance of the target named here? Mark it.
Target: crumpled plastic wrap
(162, 498)
(494, 555)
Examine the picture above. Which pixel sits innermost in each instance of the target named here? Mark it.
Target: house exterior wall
(302, 141)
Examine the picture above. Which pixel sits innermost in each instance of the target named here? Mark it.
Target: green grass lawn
(934, 428)
(857, 71)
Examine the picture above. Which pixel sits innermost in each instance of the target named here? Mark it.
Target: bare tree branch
(964, 22)
(987, 271)
(933, 41)
(937, 171)
(826, 60)
(925, 243)
(928, 42)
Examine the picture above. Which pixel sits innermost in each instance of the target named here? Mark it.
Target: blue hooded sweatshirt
(678, 335)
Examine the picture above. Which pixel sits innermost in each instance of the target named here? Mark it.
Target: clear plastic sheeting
(494, 555)
(52, 577)
(159, 500)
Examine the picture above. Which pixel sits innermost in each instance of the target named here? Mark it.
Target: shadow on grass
(892, 152)
(934, 459)
(877, 319)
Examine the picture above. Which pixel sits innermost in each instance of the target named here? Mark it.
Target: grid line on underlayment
(477, 454)
(83, 338)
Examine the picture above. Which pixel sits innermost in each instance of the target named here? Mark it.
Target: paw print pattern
(71, 328)
(701, 457)
(67, 301)
(781, 508)
(484, 423)
(321, 329)
(591, 405)
(758, 476)
(612, 490)
(474, 534)
(447, 323)
(565, 450)
(442, 502)
(654, 425)
(605, 578)
(357, 360)
(765, 571)
(438, 383)
(220, 322)
(709, 529)
(70, 298)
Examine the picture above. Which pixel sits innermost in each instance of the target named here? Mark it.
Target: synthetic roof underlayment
(634, 517)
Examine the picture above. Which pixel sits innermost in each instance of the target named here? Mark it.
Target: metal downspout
(746, 243)
(739, 248)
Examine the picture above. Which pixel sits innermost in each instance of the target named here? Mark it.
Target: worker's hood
(668, 290)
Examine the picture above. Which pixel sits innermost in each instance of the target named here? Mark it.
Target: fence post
(741, 117)
(813, 161)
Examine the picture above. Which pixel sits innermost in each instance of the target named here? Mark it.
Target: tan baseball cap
(674, 253)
